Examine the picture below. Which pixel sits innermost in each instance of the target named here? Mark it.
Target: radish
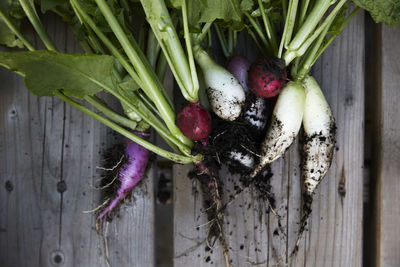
(254, 108)
(256, 113)
(267, 76)
(319, 128)
(237, 143)
(194, 121)
(224, 91)
(130, 173)
(239, 67)
(285, 124)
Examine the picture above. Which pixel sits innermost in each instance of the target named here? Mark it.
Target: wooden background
(49, 154)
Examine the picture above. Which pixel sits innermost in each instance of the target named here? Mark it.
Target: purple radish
(239, 66)
(130, 173)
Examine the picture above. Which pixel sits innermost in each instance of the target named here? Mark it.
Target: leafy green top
(77, 75)
(386, 11)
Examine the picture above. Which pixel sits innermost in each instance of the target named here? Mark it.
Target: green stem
(148, 80)
(144, 113)
(153, 49)
(161, 67)
(222, 41)
(153, 121)
(204, 31)
(333, 36)
(289, 25)
(234, 38)
(257, 27)
(284, 9)
(149, 146)
(125, 5)
(254, 37)
(189, 49)
(142, 36)
(230, 41)
(168, 39)
(290, 54)
(14, 29)
(114, 51)
(303, 11)
(146, 108)
(33, 17)
(311, 55)
(103, 108)
(147, 102)
(295, 66)
(269, 29)
(315, 16)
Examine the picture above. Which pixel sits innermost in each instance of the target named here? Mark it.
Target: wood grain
(388, 161)
(334, 237)
(49, 157)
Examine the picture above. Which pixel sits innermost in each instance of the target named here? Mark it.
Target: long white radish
(285, 124)
(225, 94)
(319, 128)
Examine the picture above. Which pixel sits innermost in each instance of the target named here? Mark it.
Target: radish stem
(268, 29)
(37, 25)
(166, 154)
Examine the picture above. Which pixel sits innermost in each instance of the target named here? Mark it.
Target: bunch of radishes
(130, 66)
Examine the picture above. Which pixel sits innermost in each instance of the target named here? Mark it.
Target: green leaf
(13, 11)
(7, 37)
(386, 11)
(228, 11)
(128, 84)
(338, 22)
(77, 75)
(174, 3)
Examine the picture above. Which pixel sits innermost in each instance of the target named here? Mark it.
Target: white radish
(255, 113)
(319, 128)
(225, 94)
(285, 124)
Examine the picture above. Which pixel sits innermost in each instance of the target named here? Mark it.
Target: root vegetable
(285, 124)
(225, 94)
(194, 121)
(267, 76)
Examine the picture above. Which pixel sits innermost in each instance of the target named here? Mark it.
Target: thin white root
(113, 168)
(98, 207)
(105, 186)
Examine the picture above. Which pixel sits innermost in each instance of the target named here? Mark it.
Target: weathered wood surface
(335, 227)
(49, 154)
(386, 159)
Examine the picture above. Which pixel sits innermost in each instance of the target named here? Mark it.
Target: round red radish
(194, 121)
(267, 76)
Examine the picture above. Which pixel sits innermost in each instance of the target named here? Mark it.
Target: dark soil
(206, 173)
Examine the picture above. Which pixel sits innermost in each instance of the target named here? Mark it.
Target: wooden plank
(49, 153)
(335, 227)
(388, 149)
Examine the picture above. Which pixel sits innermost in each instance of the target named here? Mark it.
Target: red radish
(194, 121)
(130, 173)
(239, 66)
(267, 77)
